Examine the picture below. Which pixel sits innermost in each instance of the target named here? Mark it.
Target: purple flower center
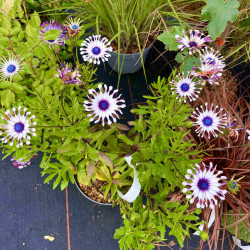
(51, 41)
(203, 184)
(184, 87)
(207, 121)
(193, 44)
(211, 61)
(96, 50)
(11, 68)
(103, 105)
(204, 77)
(19, 127)
(75, 26)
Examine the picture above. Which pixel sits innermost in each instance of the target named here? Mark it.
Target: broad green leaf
(168, 37)
(219, 12)
(243, 232)
(52, 34)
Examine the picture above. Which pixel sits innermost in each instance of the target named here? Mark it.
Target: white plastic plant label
(135, 189)
(238, 243)
(210, 222)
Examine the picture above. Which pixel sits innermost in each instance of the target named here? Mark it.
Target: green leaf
(124, 138)
(244, 23)
(219, 12)
(168, 37)
(50, 177)
(52, 34)
(106, 160)
(57, 181)
(242, 230)
(190, 63)
(66, 148)
(7, 97)
(35, 19)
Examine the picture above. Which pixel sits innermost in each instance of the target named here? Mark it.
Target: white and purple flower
(20, 164)
(95, 49)
(10, 67)
(104, 105)
(185, 87)
(18, 127)
(213, 58)
(207, 73)
(74, 24)
(67, 76)
(205, 186)
(54, 25)
(209, 121)
(194, 43)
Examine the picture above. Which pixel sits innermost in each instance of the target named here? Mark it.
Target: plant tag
(135, 189)
(238, 243)
(210, 222)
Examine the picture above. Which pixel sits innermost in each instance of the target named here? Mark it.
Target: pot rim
(97, 202)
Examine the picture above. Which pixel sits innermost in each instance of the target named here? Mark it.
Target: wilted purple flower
(205, 186)
(21, 164)
(67, 76)
(194, 43)
(54, 25)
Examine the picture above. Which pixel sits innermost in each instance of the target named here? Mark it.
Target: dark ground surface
(30, 210)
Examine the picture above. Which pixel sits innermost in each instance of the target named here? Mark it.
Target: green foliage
(219, 12)
(168, 37)
(242, 230)
(146, 225)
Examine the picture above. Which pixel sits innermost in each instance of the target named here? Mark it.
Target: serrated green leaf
(168, 37)
(219, 12)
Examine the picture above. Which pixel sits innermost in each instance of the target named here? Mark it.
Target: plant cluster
(190, 154)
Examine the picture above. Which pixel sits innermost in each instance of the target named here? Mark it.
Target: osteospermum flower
(95, 49)
(213, 58)
(205, 186)
(186, 87)
(209, 121)
(18, 127)
(67, 76)
(54, 25)
(10, 67)
(104, 105)
(194, 43)
(74, 24)
(207, 73)
(20, 164)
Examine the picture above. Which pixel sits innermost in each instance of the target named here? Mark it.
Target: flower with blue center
(194, 42)
(54, 25)
(185, 87)
(208, 72)
(104, 105)
(205, 186)
(74, 24)
(67, 76)
(10, 67)
(18, 127)
(21, 163)
(95, 49)
(213, 58)
(209, 120)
